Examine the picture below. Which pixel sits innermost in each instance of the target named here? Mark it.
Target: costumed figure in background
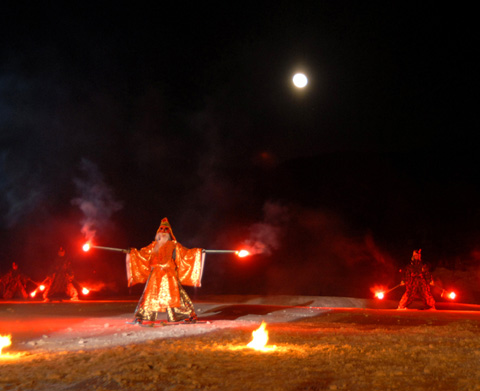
(417, 279)
(61, 284)
(14, 284)
(164, 266)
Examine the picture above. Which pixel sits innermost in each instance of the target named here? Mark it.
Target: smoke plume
(95, 200)
(265, 235)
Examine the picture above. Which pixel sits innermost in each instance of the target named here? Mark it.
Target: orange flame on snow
(260, 339)
(5, 340)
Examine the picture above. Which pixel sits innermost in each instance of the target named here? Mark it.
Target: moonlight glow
(300, 80)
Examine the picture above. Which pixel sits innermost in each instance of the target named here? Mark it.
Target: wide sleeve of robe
(189, 265)
(138, 264)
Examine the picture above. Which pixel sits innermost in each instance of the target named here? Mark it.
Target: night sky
(112, 118)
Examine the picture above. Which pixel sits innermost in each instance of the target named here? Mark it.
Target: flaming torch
(449, 295)
(381, 295)
(40, 288)
(87, 246)
(239, 253)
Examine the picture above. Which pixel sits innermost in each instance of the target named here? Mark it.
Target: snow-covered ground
(321, 343)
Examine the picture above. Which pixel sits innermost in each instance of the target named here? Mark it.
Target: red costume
(14, 284)
(164, 265)
(417, 279)
(61, 284)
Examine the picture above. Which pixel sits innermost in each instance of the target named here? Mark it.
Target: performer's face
(162, 236)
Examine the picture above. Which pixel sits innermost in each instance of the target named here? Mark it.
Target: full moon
(300, 80)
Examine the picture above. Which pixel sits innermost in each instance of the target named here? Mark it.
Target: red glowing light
(41, 288)
(33, 293)
(452, 295)
(243, 253)
(379, 295)
(85, 291)
(86, 247)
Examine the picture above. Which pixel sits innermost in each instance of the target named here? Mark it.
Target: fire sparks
(260, 339)
(86, 247)
(243, 253)
(5, 340)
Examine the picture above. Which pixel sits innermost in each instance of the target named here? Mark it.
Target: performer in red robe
(165, 265)
(417, 279)
(14, 284)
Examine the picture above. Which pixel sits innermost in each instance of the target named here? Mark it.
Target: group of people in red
(165, 266)
(60, 284)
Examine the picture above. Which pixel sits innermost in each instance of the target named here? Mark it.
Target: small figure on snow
(417, 279)
(61, 284)
(14, 284)
(165, 265)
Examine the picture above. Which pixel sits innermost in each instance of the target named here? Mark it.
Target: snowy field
(315, 343)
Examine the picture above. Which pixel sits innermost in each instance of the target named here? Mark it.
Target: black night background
(113, 117)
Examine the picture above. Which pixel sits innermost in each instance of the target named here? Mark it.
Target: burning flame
(40, 288)
(86, 247)
(5, 340)
(260, 339)
(449, 295)
(85, 291)
(243, 253)
(379, 295)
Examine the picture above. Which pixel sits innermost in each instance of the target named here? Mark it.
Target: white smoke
(265, 236)
(95, 200)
